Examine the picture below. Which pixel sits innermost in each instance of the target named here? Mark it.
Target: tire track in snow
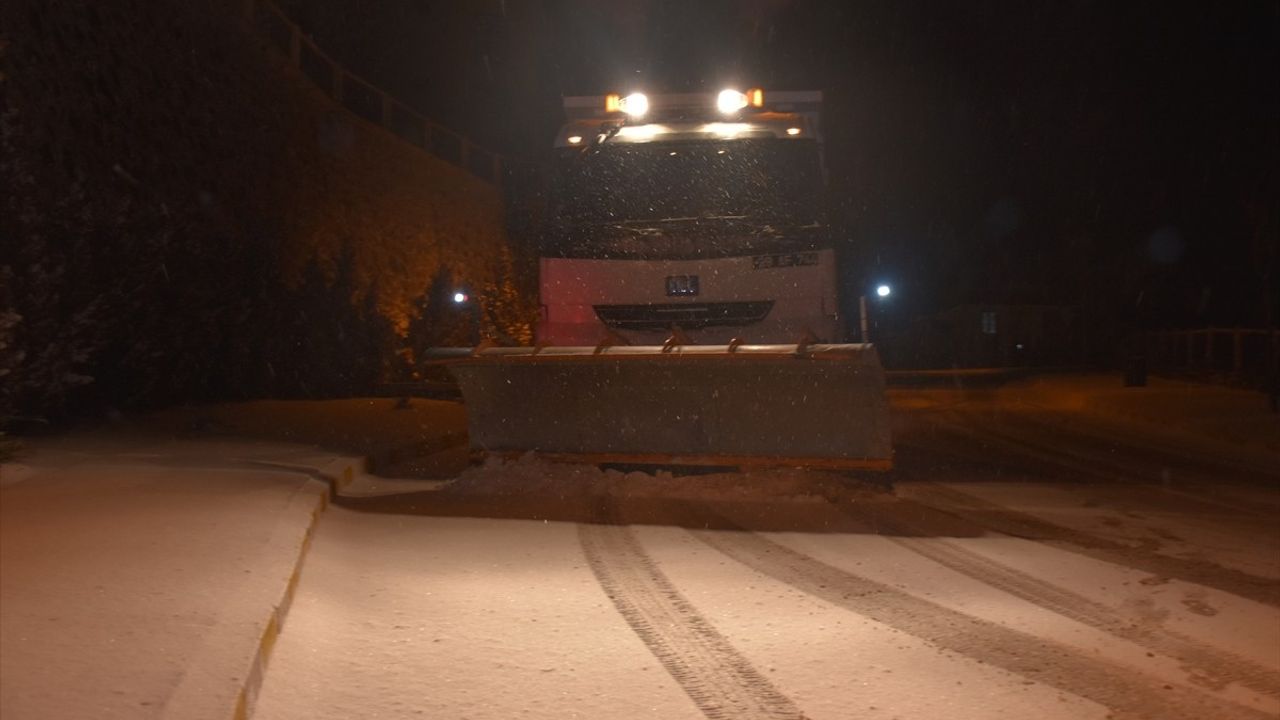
(1208, 665)
(1202, 465)
(1126, 692)
(719, 680)
(1128, 469)
(1028, 527)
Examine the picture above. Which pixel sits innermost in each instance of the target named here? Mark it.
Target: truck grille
(684, 315)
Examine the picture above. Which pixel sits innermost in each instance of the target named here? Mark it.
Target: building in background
(982, 335)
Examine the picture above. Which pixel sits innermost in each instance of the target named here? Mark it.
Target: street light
(469, 307)
(882, 291)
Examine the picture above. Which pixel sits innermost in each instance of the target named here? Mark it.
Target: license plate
(682, 285)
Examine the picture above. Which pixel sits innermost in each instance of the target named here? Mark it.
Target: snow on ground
(503, 619)
(1107, 481)
(1236, 418)
(1235, 540)
(532, 477)
(1228, 426)
(967, 588)
(405, 616)
(846, 600)
(1032, 438)
(540, 590)
(838, 664)
(139, 592)
(1243, 627)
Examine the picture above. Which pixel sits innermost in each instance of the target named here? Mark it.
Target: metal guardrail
(368, 101)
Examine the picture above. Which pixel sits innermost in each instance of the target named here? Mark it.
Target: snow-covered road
(1018, 569)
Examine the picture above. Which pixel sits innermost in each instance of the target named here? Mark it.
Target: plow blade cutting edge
(817, 406)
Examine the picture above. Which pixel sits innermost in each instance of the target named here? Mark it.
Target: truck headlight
(731, 101)
(635, 105)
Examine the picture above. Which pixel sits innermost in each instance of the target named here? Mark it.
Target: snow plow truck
(689, 313)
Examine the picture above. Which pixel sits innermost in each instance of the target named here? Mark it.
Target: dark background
(1115, 157)
(186, 217)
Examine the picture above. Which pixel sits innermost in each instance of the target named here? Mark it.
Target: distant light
(883, 291)
(459, 297)
(731, 101)
(575, 139)
(793, 131)
(635, 105)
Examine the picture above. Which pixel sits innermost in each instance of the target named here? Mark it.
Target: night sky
(1115, 156)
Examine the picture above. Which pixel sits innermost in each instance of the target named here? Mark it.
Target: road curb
(325, 483)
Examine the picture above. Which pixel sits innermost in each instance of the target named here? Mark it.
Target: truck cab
(700, 213)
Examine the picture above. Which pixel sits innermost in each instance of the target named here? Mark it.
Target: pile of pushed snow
(532, 476)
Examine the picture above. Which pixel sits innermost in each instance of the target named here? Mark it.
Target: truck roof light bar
(582, 107)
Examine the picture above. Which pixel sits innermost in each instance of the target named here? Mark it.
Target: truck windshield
(774, 181)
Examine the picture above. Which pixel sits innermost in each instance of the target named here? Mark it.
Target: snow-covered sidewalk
(148, 581)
